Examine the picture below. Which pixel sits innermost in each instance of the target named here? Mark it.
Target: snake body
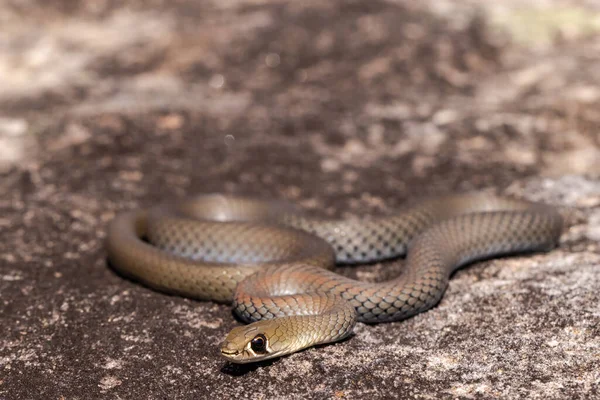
(274, 263)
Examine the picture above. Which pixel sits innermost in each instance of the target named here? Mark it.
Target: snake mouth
(229, 353)
(232, 356)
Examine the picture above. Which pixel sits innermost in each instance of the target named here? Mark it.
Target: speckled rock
(344, 107)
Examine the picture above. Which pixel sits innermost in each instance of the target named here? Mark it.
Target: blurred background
(345, 107)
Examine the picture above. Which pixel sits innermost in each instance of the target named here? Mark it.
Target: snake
(275, 262)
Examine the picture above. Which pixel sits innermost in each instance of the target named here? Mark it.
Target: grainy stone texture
(345, 107)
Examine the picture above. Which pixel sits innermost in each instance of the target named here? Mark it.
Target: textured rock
(343, 107)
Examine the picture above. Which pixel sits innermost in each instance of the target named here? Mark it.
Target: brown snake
(274, 262)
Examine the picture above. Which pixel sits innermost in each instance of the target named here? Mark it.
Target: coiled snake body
(274, 263)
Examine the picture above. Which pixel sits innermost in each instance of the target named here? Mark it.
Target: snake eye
(259, 344)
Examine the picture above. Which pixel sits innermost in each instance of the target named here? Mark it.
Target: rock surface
(345, 107)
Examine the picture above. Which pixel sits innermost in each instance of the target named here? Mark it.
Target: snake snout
(229, 348)
(231, 352)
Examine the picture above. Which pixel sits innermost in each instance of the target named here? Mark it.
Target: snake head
(255, 342)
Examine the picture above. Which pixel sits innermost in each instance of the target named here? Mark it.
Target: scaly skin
(284, 286)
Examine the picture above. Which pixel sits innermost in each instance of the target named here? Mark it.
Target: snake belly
(275, 264)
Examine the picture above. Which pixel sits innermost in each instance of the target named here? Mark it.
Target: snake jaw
(244, 356)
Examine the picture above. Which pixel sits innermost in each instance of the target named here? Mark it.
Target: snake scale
(275, 264)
